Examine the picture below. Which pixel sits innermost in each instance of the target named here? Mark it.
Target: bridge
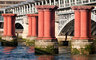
(64, 19)
(64, 14)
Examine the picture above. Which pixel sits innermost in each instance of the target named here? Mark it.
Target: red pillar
(82, 13)
(32, 29)
(40, 23)
(34, 26)
(13, 26)
(9, 24)
(85, 24)
(49, 21)
(53, 23)
(77, 24)
(5, 26)
(29, 25)
(89, 17)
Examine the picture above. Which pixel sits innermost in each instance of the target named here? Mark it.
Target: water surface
(22, 52)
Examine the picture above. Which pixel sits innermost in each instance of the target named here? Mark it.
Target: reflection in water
(80, 57)
(7, 50)
(31, 49)
(27, 53)
(45, 57)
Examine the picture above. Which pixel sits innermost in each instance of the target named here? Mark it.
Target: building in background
(5, 3)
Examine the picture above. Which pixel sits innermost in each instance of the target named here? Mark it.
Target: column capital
(9, 14)
(82, 7)
(32, 15)
(51, 7)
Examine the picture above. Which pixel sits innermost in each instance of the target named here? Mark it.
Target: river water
(22, 52)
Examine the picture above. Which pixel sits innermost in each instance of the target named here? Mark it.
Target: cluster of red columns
(9, 24)
(82, 28)
(32, 22)
(46, 22)
(44, 27)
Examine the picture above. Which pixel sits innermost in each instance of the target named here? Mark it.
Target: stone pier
(82, 40)
(32, 26)
(46, 40)
(9, 27)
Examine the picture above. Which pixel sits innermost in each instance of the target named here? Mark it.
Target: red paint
(53, 24)
(13, 26)
(29, 26)
(40, 23)
(5, 26)
(46, 21)
(77, 23)
(85, 22)
(32, 28)
(9, 24)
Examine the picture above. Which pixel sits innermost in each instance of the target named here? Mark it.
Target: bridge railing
(29, 7)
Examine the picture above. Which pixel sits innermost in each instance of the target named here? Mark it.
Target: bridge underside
(69, 29)
(18, 26)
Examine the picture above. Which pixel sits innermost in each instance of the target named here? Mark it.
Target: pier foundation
(9, 27)
(82, 40)
(32, 26)
(46, 40)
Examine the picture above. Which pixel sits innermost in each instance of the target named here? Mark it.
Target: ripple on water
(27, 53)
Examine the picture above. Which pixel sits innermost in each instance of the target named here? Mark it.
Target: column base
(82, 38)
(39, 38)
(46, 46)
(9, 41)
(82, 46)
(31, 38)
(9, 38)
(75, 38)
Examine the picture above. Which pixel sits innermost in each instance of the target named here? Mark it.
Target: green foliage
(30, 42)
(83, 51)
(48, 50)
(75, 51)
(88, 48)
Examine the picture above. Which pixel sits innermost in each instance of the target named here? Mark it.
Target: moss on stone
(48, 50)
(88, 48)
(30, 42)
(83, 51)
(75, 51)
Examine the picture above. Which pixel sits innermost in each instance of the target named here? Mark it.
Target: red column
(13, 26)
(85, 21)
(29, 26)
(77, 24)
(9, 24)
(53, 23)
(89, 20)
(34, 26)
(84, 24)
(40, 23)
(47, 23)
(5, 25)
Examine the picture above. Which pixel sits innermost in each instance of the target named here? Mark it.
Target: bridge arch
(18, 26)
(68, 28)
